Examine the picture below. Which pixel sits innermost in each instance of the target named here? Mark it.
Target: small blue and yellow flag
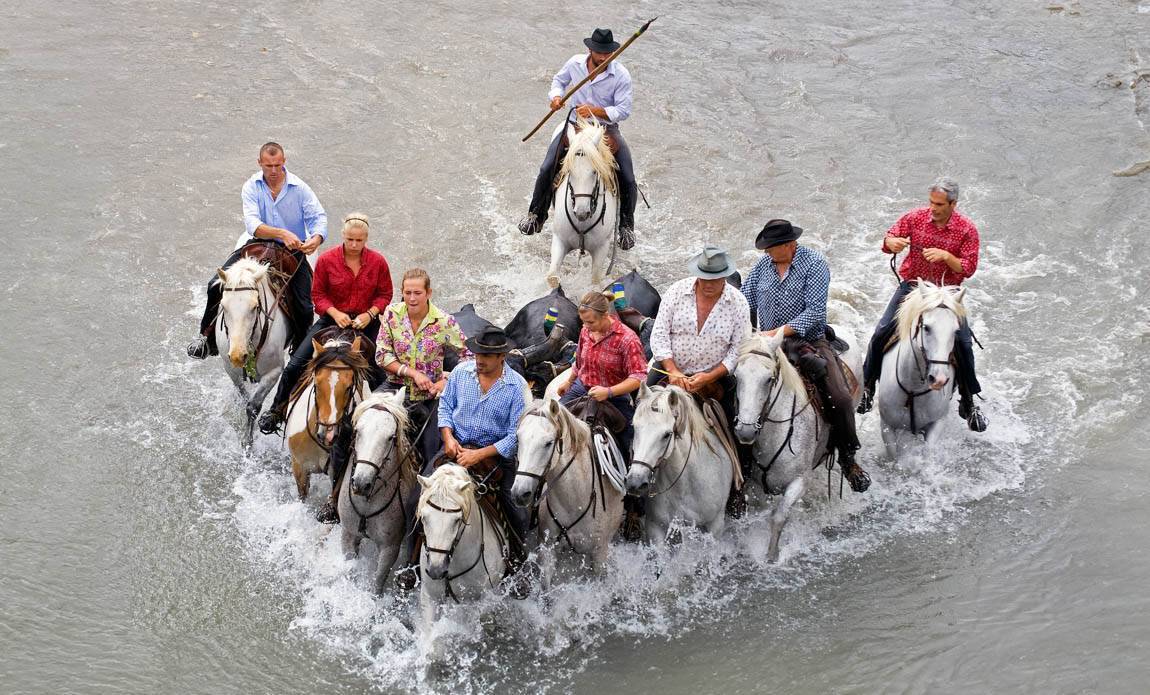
(620, 296)
(550, 320)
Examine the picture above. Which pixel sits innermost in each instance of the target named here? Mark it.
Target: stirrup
(975, 419)
(530, 224)
(858, 478)
(198, 348)
(270, 421)
(626, 237)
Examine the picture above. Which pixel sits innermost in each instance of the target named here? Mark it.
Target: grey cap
(711, 264)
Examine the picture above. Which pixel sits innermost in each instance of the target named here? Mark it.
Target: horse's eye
(926, 329)
(666, 435)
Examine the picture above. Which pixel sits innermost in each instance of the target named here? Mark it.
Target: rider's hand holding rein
(309, 246)
(341, 319)
(896, 244)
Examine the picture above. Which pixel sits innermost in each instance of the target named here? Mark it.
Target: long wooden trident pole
(590, 76)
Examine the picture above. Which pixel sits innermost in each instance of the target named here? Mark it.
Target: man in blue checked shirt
(278, 208)
(787, 291)
(607, 98)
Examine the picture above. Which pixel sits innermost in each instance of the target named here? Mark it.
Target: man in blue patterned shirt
(787, 291)
(607, 98)
(479, 412)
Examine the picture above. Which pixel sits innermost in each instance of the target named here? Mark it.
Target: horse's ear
(462, 486)
(644, 391)
(400, 395)
(775, 344)
(423, 482)
(355, 344)
(570, 133)
(317, 347)
(553, 407)
(958, 297)
(223, 274)
(261, 272)
(672, 398)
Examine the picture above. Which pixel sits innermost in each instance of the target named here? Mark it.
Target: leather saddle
(592, 411)
(282, 263)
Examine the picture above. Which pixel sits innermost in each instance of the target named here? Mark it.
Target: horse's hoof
(552, 281)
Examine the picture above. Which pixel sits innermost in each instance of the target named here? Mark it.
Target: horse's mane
(385, 401)
(335, 350)
(448, 481)
(922, 299)
(598, 153)
(692, 414)
(242, 270)
(571, 429)
(784, 370)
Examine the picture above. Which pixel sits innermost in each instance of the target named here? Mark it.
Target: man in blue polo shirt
(787, 291)
(278, 208)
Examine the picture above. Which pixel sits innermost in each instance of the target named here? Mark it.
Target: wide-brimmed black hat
(602, 41)
(777, 232)
(491, 341)
(711, 264)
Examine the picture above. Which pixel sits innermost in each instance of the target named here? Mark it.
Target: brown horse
(335, 381)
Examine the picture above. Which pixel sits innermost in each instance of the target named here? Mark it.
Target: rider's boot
(632, 519)
(327, 514)
(530, 224)
(198, 348)
(858, 478)
(272, 418)
(866, 402)
(519, 573)
(968, 410)
(407, 577)
(626, 230)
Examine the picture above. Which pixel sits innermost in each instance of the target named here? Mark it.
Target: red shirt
(959, 236)
(617, 356)
(335, 285)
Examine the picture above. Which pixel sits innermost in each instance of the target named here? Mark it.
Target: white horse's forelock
(244, 271)
(923, 298)
(688, 409)
(591, 142)
(453, 483)
(389, 403)
(574, 433)
(781, 368)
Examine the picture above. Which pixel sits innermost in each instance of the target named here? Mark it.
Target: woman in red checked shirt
(352, 285)
(943, 250)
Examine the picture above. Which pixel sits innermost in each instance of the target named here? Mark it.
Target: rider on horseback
(609, 366)
(352, 283)
(943, 249)
(695, 342)
(414, 337)
(278, 208)
(479, 412)
(607, 98)
(788, 288)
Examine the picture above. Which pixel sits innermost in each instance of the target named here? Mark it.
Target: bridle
(574, 197)
(357, 381)
(654, 468)
(764, 417)
(264, 326)
(376, 480)
(923, 367)
(449, 552)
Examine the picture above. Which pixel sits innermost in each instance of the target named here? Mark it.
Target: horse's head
(760, 359)
(240, 306)
(928, 321)
(445, 506)
(588, 168)
(542, 431)
(660, 416)
(338, 370)
(380, 423)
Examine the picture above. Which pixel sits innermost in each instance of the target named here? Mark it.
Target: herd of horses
(677, 461)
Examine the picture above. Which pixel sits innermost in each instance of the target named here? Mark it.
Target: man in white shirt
(607, 98)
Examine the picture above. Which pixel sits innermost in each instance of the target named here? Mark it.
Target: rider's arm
(620, 109)
(385, 347)
(319, 296)
(812, 321)
(899, 230)
(314, 216)
(968, 253)
(506, 447)
(661, 338)
(562, 79)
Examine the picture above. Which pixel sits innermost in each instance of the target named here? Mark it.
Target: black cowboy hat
(491, 341)
(602, 41)
(777, 232)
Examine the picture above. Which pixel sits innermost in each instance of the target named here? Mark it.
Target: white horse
(371, 501)
(579, 509)
(589, 191)
(252, 331)
(776, 416)
(463, 547)
(678, 462)
(918, 372)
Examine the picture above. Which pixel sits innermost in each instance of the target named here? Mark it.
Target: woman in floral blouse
(413, 337)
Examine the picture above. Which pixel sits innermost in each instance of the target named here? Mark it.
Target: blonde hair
(597, 301)
(356, 220)
(416, 274)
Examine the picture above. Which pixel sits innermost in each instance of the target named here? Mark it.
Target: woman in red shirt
(352, 285)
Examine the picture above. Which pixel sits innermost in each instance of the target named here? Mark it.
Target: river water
(142, 550)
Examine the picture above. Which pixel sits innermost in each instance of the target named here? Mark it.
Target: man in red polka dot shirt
(943, 250)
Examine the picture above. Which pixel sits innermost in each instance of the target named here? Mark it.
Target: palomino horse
(371, 500)
(679, 462)
(785, 426)
(918, 372)
(579, 509)
(252, 331)
(463, 549)
(589, 192)
(335, 381)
